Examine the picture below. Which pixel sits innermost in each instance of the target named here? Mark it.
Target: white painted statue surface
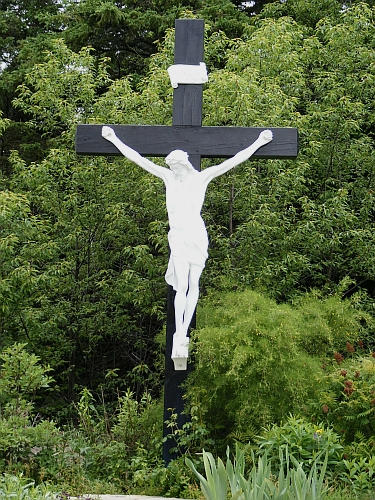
(188, 240)
(185, 73)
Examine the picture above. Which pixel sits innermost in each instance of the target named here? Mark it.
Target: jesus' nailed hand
(188, 240)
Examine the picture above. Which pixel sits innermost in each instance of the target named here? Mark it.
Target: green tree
(128, 32)
(24, 246)
(21, 376)
(281, 226)
(104, 293)
(308, 223)
(26, 27)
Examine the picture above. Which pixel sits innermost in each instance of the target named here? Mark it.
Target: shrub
(359, 474)
(19, 488)
(21, 376)
(257, 361)
(25, 441)
(330, 323)
(346, 399)
(307, 442)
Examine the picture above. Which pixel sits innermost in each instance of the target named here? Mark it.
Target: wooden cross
(187, 134)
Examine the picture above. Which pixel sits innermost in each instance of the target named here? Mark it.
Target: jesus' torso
(184, 199)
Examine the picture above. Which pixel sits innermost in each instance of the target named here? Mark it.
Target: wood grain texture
(207, 142)
(187, 105)
(189, 46)
(189, 41)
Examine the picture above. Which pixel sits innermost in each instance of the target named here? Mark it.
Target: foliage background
(83, 240)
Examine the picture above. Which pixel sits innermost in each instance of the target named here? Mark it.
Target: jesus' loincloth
(188, 245)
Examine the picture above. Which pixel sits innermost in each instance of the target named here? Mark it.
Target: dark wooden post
(187, 110)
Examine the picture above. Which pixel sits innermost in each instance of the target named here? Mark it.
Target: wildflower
(339, 357)
(350, 347)
(348, 389)
(325, 409)
(373, 354)
(357, 374)
(319, 431)
(361, 345)
(343, 373)
(373, 402)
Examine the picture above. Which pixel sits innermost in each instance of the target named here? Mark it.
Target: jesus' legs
(192, 295)
(185, 302)
(186, 294)
(182, 276)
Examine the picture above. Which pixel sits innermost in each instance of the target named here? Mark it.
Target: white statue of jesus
(188, 240)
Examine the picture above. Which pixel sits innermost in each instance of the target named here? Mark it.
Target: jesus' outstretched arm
(210, 173)
(109, 134)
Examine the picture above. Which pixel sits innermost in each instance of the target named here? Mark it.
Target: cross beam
(207, 142)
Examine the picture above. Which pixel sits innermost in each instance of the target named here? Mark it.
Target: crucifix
(184, 144)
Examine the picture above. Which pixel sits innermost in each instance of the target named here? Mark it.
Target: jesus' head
(177, 159)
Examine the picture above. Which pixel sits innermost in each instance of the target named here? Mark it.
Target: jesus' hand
(108, 133)
(265, 137)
